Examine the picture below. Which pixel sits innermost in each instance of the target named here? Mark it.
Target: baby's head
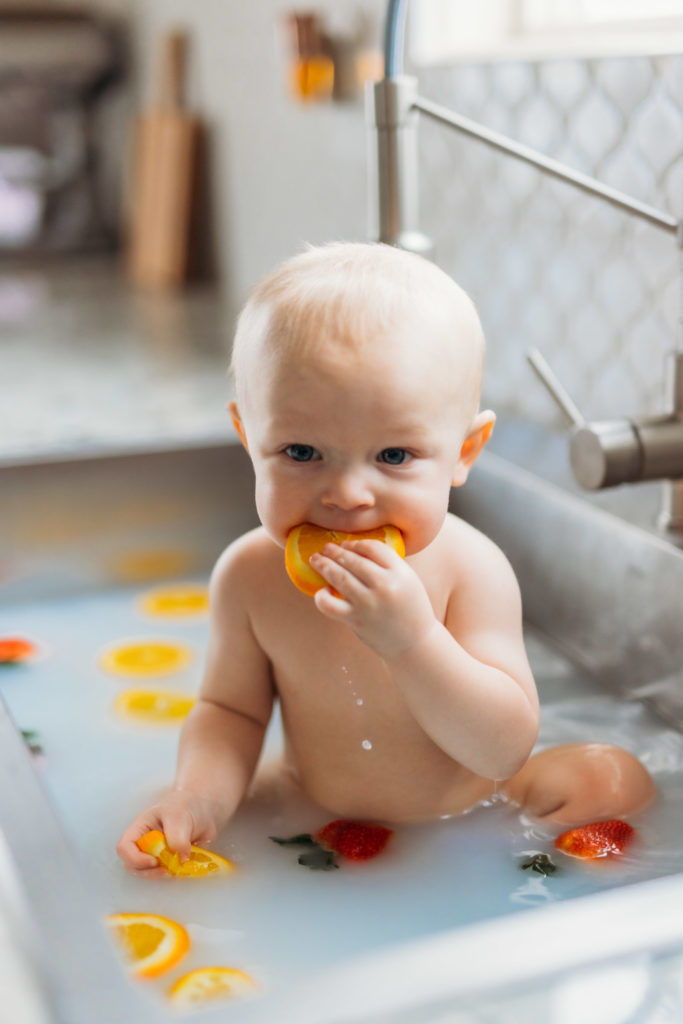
(358, 373)
(372, 304)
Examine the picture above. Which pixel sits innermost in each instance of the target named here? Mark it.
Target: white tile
(671, 189)
(513, 81)
(627, 80)
(538, 124)
(596, 126)
(628, 170)
(620, 291)
(657, 132)
(564, 81)
(546, 263)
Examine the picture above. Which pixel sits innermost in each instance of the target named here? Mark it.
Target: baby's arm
(222, 737)
(474, 695)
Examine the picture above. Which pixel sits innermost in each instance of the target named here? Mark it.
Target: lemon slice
(201, 863)
(146, 565)
(175, 601)
(154, 706)
(151, 944)
(146, 658)
(210, 984)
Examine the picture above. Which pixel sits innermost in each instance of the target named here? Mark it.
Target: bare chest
(350, 738)
(322, 667)
(330, 684)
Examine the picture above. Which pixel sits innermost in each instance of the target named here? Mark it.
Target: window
(444, 29)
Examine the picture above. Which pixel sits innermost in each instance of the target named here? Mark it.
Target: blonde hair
(352, 293)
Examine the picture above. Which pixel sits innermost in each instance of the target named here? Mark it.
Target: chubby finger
(342, 567)
(157, 871)
(130, 853)
(331, 604)
(374, 551)
(178, 831)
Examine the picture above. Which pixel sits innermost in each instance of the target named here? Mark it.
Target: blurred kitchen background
(99, 349)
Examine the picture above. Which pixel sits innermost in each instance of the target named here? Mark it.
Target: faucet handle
(547, 376)
(601, 454)
(611, 452)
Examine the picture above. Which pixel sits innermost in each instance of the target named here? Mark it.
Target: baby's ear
(237, 423)
(477, 436)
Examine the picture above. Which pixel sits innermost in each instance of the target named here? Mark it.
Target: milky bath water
(273, 918)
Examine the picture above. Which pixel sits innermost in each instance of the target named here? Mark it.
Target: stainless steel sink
(605, 593)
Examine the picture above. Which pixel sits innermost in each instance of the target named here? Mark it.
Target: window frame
(541, 28)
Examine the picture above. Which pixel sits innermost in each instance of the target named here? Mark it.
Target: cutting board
(163, 177)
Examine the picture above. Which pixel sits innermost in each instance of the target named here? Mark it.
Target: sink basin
(82, 537)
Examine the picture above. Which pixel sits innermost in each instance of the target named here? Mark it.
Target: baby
(358, 372)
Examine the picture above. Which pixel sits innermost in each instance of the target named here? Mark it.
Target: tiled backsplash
(595, 289)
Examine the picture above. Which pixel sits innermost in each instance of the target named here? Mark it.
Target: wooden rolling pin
(163, 178)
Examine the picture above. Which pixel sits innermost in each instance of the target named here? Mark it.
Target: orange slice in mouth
(201, 862)
(307, 539)
(208, 985)
(151, 944)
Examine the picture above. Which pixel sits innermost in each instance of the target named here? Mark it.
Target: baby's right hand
(183, 817)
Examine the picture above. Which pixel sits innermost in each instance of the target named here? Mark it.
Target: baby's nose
(348, 490)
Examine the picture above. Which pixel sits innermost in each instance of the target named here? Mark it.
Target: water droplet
(367, 745)
(359, 702)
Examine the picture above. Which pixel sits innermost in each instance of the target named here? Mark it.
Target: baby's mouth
(307, 538)
(350, 524)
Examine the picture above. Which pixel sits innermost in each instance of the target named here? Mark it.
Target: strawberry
(14, 649)
(599, 839)
(356, 840)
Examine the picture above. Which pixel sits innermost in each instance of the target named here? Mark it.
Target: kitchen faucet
(603, 453)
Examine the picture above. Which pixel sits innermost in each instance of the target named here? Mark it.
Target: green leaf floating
(32, 741)
(541, 863)
(301, 840)
(317, 858)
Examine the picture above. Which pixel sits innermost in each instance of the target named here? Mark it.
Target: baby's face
(350, 442)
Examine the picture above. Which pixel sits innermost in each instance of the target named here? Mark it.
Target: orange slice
(14, 649)
(201, 862)
(210, 984)
(154, 706)
(306, 539)
(146, 658)
(151, 944)
(176, 601)
(150, 564)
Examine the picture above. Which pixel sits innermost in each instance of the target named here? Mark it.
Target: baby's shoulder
(465, 541)
(473, 555)
(247, 563)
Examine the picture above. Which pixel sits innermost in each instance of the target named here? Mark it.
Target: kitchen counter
(88, 362)
(89, 365)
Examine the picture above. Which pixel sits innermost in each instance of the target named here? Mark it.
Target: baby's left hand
(377, 594)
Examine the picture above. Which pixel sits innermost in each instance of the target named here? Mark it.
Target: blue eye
(393, 456)
(301, 452)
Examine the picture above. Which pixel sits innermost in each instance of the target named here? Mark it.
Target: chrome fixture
(603, 454)
(610, 452)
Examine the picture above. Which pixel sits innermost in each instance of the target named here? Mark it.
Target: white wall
(596, 290)
(280, 174)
